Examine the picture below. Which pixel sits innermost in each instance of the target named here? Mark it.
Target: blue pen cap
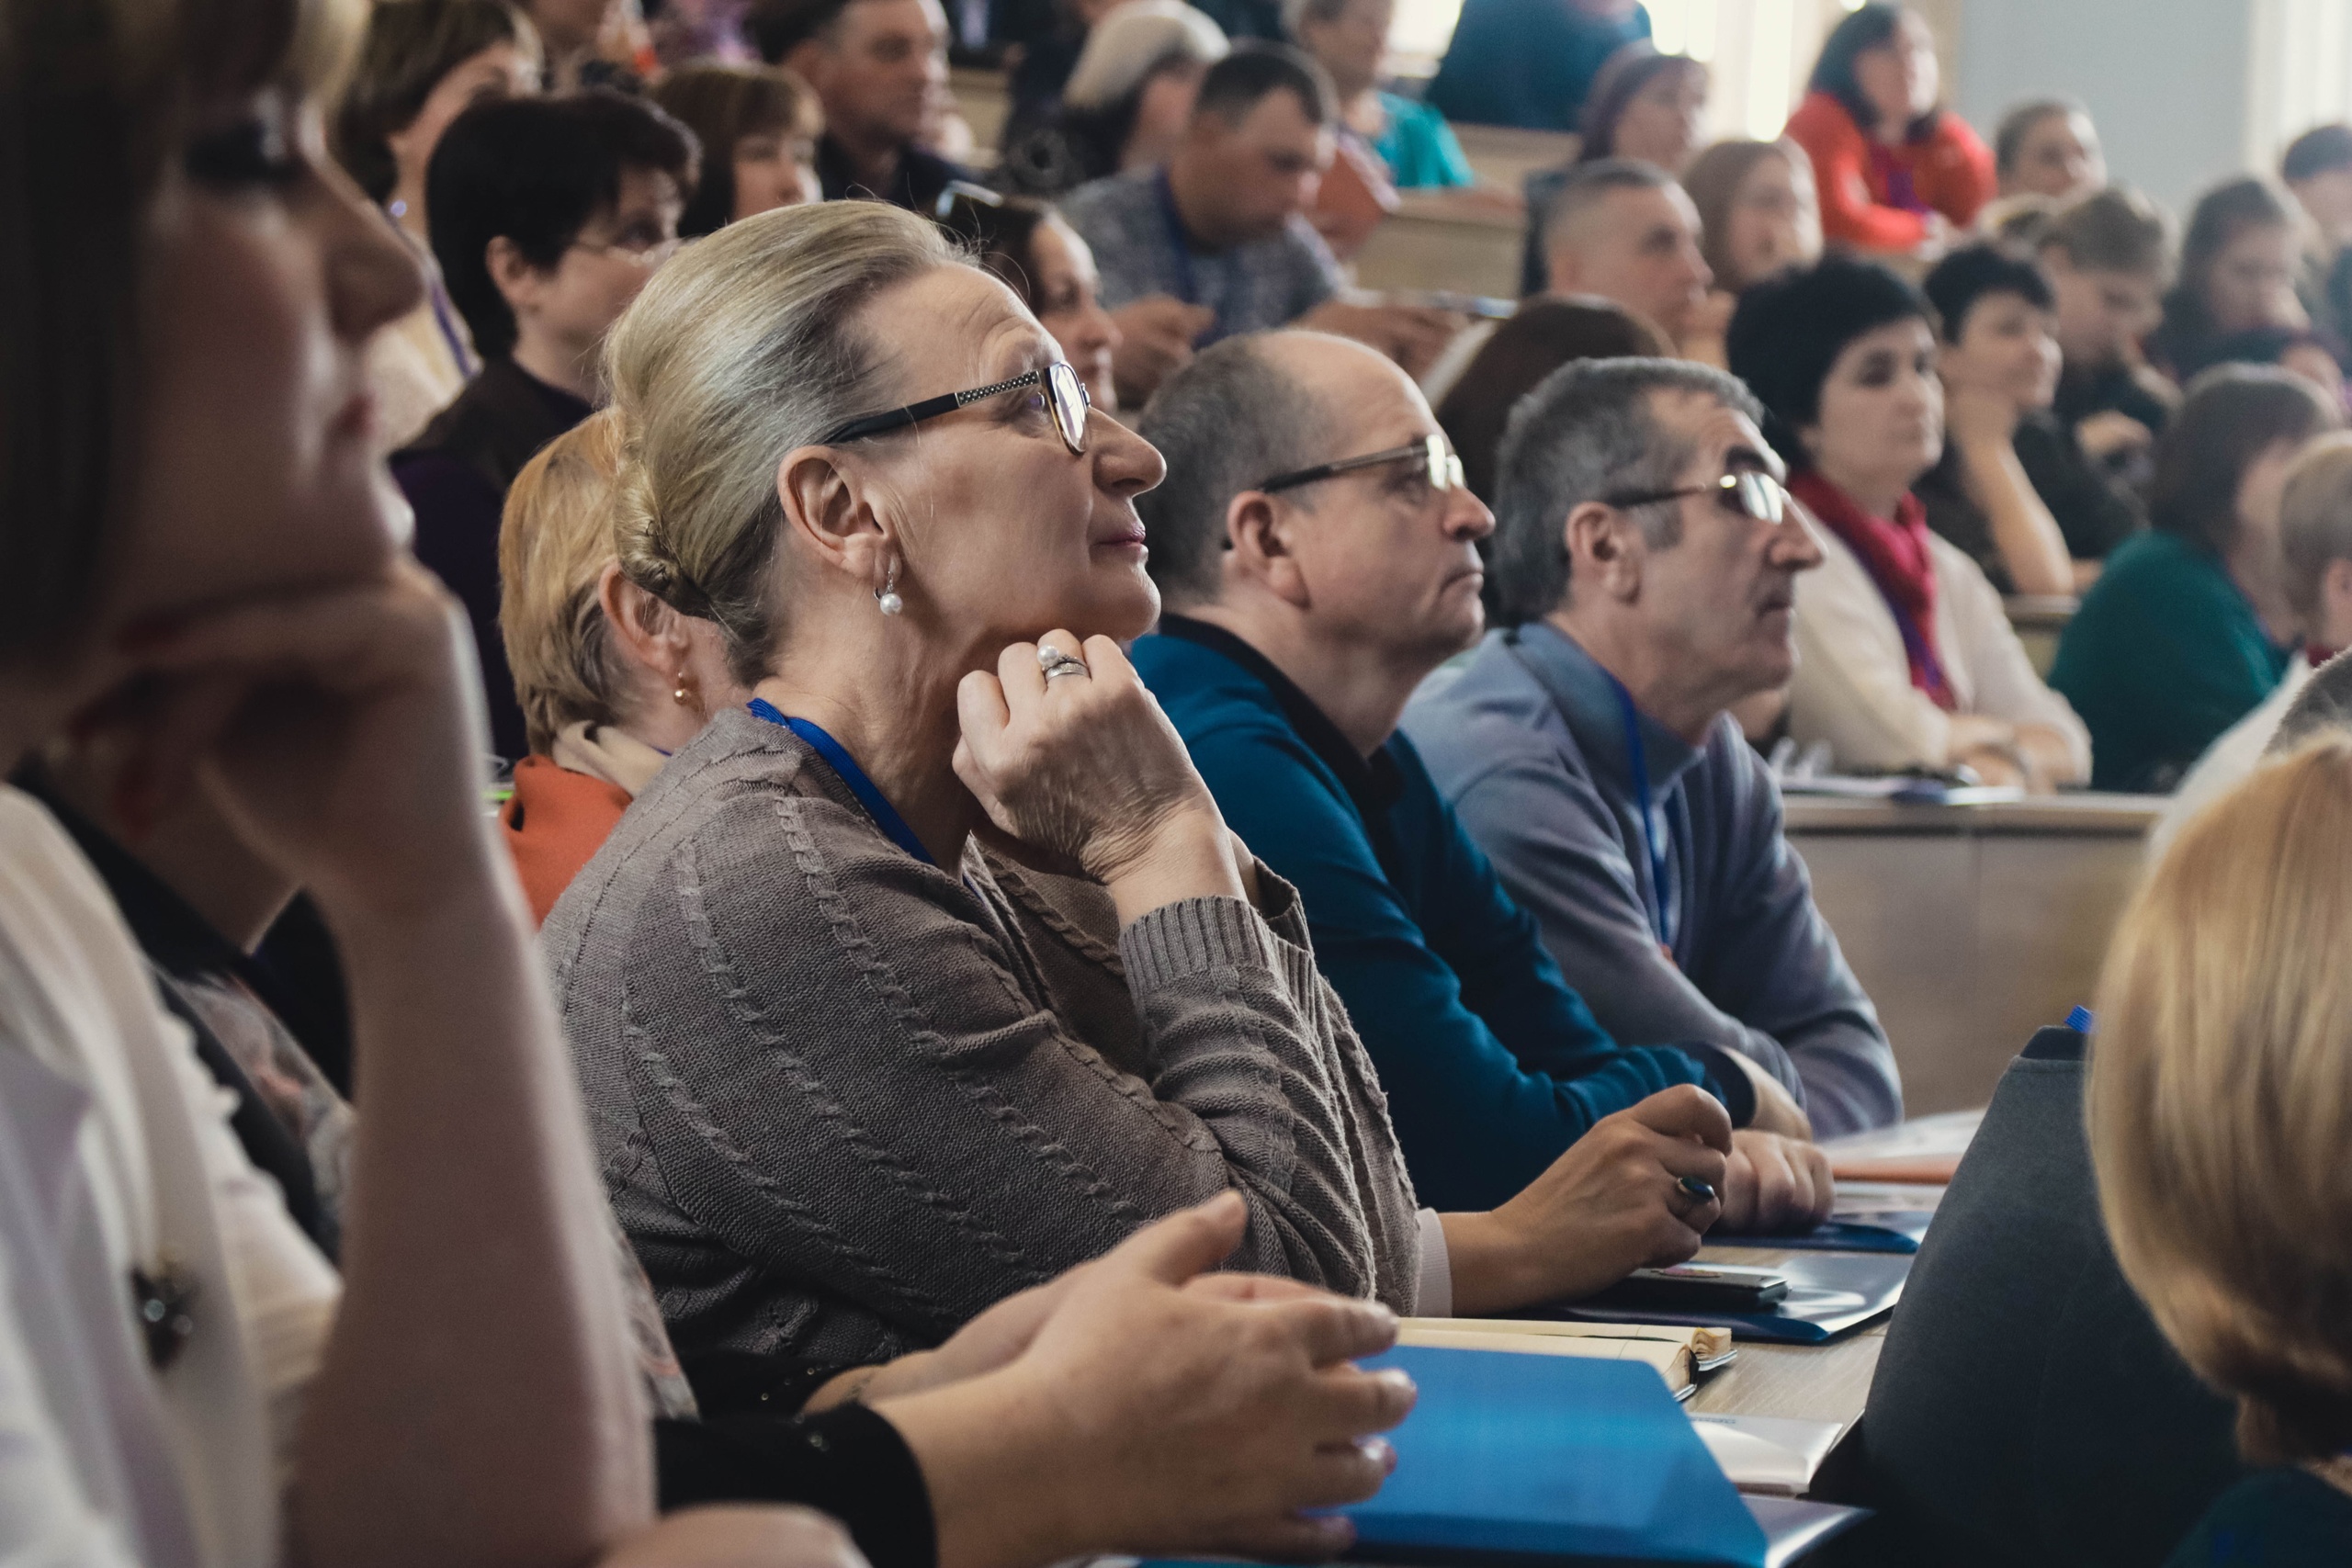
(2079, 1021)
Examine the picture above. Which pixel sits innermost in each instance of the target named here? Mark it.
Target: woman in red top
(1896, 171)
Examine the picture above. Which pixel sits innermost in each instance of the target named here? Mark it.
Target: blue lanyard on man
(1637, 765)
(877, 805)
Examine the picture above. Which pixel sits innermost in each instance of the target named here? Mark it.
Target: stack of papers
(1771, 1454)
(1678, 1353)
(1927, 1150)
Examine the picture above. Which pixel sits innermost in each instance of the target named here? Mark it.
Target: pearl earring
(885, 598)
(682, 695)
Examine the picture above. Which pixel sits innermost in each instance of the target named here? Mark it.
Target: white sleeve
(1435, 1298)
(1853, 681)
(2001, 676)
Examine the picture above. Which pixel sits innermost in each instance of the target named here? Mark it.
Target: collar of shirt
(1375, 783)
(1586, 696)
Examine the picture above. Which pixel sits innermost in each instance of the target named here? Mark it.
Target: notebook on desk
(1679, 1354)
(1830, 1293)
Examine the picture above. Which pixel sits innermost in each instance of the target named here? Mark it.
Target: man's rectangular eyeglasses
(1749, 494)
(1065, 395)
(1443, 468)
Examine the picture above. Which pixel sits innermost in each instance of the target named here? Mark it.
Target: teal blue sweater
(1491, 1063)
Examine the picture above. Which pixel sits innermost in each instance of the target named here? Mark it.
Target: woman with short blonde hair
(2220, 1109)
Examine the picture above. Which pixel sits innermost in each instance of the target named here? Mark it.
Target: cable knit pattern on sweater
(844, 1101)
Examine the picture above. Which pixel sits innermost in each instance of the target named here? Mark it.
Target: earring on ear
(885, 598)
(682, 695)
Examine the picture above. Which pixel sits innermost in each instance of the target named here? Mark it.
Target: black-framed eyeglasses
(1749, 492)
(1442, 467)
(1065, 395)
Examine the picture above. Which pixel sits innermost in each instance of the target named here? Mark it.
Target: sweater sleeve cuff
(849, 1463)
(1435, 1298)
(1193, 936)
(1725, 1078)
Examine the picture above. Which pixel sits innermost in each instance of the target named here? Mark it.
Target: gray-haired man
(1644, 562)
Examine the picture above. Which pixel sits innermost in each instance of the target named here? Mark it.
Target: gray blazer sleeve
(1770, 982)
(838, 1072)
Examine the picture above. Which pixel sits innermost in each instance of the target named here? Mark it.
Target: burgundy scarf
(1895, 554)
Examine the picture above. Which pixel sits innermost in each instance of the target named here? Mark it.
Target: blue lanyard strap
(1637, 763)
(885, 816)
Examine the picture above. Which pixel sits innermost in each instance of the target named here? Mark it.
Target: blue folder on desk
(1830, 1293)
(1552, 1459)
(1893, 1231)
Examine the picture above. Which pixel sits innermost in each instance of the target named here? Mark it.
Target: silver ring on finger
(1056, 663)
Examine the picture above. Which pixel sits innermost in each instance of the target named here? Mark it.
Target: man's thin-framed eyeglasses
(1065, 395)
(1441, 465)
(1746, 492)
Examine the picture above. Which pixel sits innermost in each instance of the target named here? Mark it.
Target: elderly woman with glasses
(932, 970)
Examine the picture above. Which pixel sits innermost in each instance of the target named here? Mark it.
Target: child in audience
(2050, 149)
(1646, 106)
(2189, 626)
(1350, 39)
(1758, 213)
(2013, 489)
(420, 65)
(2220, 1104)
(1028, 245)
(1906, 658)
(1896, 171)
(757, 127)
(2238, 266)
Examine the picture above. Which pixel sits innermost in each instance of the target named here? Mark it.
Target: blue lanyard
(885, 816)
(1187, 288)
(1638, 762)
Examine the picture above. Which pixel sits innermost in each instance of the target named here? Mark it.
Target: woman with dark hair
(1896, 171)
(1906, 658)
(757, 126)
(1026, 243)
(1758, 216)
(2189, 627)
(2238, 264)
(2014, 488)
(1126, 101)
(423, 64)
(1545, 334)
(1646, 106)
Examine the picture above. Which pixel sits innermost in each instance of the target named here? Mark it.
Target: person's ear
(651, 635)
(518, 282)
(1258, 546)
(1605, 550)
(835, 506)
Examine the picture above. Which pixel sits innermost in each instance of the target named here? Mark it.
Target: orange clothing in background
(1949, 170)
(556, 823)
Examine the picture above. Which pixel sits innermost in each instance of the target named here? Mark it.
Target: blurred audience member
(2317, 169)
(1319, 557)
(579, 37)
(1520, 352)
(1530, 62)
(611, 680)
(1127, 103)
(2013, 488)
(422, 64)
(1034, 81)
(2108, 257)
(758, 127)
(1350, 39)
(1626, 231)
(700, 33)
(1906, 658)
(2315, 553)
(1896, 171)
(2314, 355)
(1645, 559)
(2218, 1106)
(2238, 266)
(2050, 149)
(1217, 241)
(1646, 106)
(1758, 215)
(875, 66)
(1028, 245)
(548, 216)
(2189, 627)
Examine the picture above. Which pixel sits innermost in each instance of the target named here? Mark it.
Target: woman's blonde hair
(742, 348)
(553, 546)
(2221, 1100)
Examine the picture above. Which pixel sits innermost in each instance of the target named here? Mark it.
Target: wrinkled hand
(1412, 335)
(1776, 1109)
(738, 1537)
(1610, 1204)
(2109, 432)
(1085, 767)
(340, 732)
(1773, 1183)
(1155, 338)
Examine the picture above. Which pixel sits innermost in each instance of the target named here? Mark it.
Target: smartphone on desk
(1696, 1287)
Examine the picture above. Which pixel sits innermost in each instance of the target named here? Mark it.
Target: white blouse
(1853, 681)
(115, 1154)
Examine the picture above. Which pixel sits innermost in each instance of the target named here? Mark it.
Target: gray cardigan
(844, 1101)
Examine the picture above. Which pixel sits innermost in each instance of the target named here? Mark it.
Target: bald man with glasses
(1644, 565)
(1318, 555)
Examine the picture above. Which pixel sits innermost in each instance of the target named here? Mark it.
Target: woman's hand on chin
(1087, 767)
(338, 729)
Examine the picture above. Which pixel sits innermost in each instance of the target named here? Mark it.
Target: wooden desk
(1504, 156)
(980, 96)
(2038, 619)
(1439, 240)
(1972, 926)
(1805, 1382)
